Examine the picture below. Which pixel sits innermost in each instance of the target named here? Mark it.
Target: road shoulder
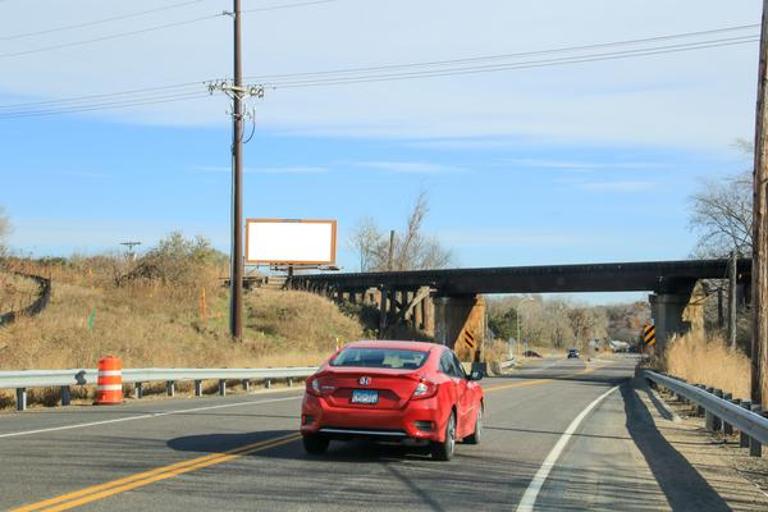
(711, 458)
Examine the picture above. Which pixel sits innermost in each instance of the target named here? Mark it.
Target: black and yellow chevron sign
(649, 335)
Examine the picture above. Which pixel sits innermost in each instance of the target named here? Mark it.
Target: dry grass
(16, 292)
(708, 360)
(148, 324)
(152, 325)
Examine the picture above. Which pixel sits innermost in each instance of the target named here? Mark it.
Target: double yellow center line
(534, 382)
(105, 490)
(101, 491)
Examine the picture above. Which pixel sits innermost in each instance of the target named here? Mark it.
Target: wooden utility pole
(238, 92)
(236, 281)
(391, 252)
(759, 387)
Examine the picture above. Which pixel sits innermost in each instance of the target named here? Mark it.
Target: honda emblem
(364, 381)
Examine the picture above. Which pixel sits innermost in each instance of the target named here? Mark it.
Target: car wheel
(478, 433)
(444, 450)
(314, 444)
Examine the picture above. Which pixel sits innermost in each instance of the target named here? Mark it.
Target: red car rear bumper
(418, 419)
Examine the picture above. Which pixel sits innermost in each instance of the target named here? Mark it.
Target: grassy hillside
(154, 323)
(16, 292)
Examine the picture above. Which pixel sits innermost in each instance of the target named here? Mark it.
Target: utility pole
(238, 92)
(236, 281)
(391, 253)
(131, 253)
(759, 385)
(732, 305)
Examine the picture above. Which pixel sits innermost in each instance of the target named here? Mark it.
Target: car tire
(314, 444)
(475, 437)
(444, 450)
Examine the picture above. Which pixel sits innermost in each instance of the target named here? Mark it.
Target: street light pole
(517, 318)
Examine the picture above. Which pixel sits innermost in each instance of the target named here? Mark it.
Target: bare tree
(365, 242)
(412, 250)
(5, 228)
(722, 214)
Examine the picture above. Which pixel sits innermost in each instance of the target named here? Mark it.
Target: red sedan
(393, 391)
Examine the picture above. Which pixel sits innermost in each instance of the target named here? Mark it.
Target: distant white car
(619, 346)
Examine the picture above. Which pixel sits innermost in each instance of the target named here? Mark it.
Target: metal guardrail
(723, 414)
(21, 380)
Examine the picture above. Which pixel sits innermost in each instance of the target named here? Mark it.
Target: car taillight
(425, 389)
(313, 386)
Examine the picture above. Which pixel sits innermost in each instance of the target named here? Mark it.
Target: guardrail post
(709, 418)
(699, 408)
(222, 387)
(290, 382)
(755, 448)
(170, 388)
(198, 387)
(138, 390)
(717, 423)
(66, 397)
(21, 399)
(744, 438)
(727, 427)
(268, 384)
(246, 385)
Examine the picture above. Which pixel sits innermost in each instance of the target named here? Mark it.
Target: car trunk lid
(346, 387)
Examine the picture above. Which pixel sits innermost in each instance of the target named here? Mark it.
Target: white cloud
(579, 165)
(404, 167)
(288, 169)
(655, 100)
(617, 186)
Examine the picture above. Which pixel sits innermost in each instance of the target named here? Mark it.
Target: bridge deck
(656, 276)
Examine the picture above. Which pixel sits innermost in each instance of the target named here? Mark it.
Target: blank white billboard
(298, 242)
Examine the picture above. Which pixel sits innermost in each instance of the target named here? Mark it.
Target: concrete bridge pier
(669, 315)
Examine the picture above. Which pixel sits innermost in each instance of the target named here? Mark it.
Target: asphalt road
(551, 443)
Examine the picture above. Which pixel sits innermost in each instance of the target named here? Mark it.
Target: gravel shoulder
(741, 480)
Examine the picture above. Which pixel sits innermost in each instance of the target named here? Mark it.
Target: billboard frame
(334, 231)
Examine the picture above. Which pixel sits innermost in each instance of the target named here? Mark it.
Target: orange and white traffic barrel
(109, 386)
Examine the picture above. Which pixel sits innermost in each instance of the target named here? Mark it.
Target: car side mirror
(476, 374)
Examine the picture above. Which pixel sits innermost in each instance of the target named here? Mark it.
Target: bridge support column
(460, 323)
(667, 310)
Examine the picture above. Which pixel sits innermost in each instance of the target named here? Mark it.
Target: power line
(107, 105)
(287, 6)
(564, 49)
(464, 70)
(145, 30)
(109, 37)
(101, 21)
(80, 99)
(394, 67)
(451, 67)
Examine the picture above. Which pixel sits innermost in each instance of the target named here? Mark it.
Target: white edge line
(532, 492)
(144, 416)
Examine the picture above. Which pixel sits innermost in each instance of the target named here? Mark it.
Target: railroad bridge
(448, 304)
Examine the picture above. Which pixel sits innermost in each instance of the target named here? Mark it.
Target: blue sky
(583, 163)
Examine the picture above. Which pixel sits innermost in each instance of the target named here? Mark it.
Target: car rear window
(380, 358)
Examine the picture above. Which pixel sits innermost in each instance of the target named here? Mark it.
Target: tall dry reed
(702, 359)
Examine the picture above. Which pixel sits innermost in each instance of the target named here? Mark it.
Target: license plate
(364, 396)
